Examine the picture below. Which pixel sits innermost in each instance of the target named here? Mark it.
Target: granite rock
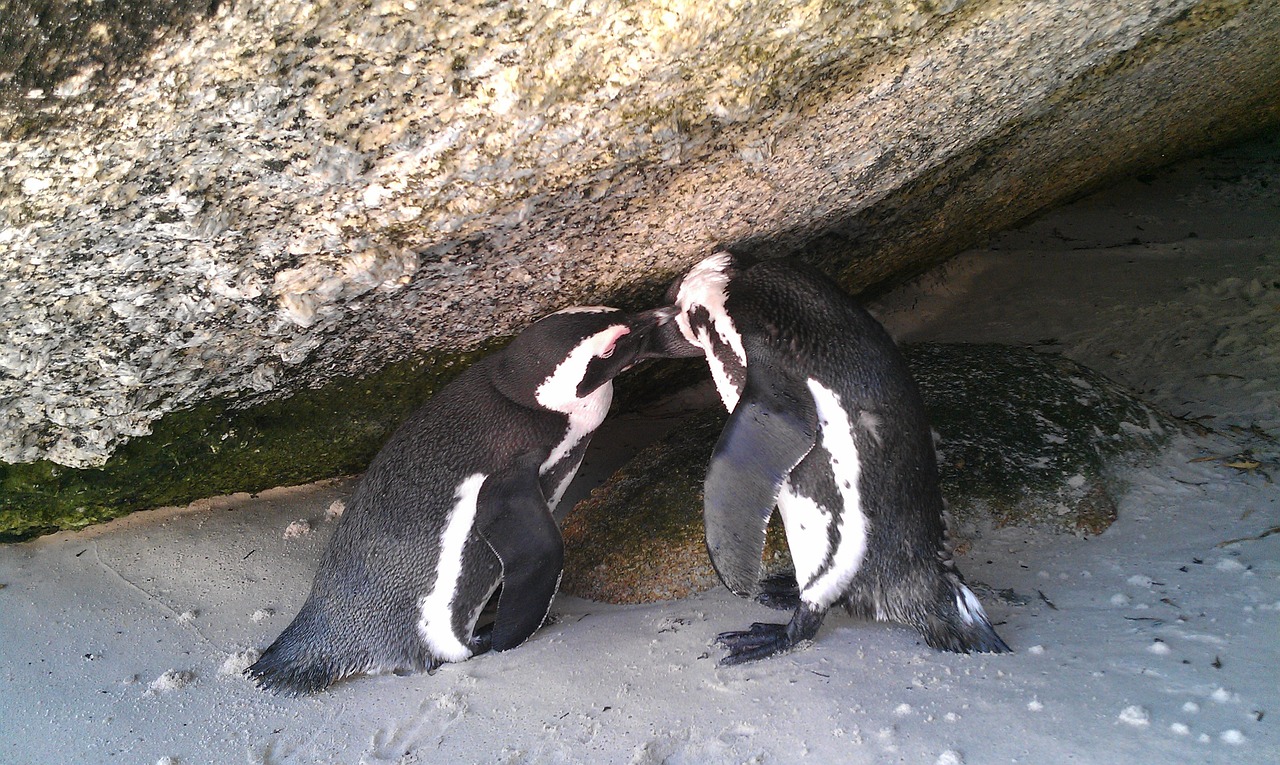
(249, 201)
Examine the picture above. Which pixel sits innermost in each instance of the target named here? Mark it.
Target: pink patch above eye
(612, 335)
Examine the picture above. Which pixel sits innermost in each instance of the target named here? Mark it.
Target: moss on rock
(217, 448)
(1026, 439)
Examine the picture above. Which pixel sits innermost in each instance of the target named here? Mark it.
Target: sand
(1155, 642)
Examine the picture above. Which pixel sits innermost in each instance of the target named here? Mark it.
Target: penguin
(457, 502)
(827, 425)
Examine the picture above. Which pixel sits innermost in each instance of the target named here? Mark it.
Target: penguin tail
(958, 622)
(299, 662)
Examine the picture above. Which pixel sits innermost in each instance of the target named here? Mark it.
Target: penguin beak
(663, 338)
(652, 330)
(644, 325)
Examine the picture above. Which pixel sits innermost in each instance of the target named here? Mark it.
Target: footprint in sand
(277, 751)
(433, 718)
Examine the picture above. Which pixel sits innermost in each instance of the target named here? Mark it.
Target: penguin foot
(763, 639)
(780, 591)
(756, 643)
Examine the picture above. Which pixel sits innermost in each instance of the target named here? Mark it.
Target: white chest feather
(435, 623)
(824, 570)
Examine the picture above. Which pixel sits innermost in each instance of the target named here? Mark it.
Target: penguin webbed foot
(780, 591)
(760, 641)
(764, 639)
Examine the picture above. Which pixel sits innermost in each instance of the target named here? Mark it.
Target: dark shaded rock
(1025, 439)
(79, 48)
(219, 448)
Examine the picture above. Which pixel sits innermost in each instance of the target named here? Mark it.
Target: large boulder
(1024, 439)
(228, 208)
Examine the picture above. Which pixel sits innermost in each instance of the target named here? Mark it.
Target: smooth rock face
(282, 192)
(1024, 439)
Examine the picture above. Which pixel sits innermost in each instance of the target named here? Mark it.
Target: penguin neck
(705, 323)
(580, 415)
(722, 346)
(583, 419)
(586, 413)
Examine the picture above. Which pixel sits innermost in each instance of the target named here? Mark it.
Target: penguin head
(703, 326)
(563, 358)
(698, 298)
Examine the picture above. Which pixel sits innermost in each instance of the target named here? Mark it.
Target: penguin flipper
(513, 519)
(773, 427)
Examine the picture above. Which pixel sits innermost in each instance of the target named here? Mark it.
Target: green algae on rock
(1025, 439)
(216, 448)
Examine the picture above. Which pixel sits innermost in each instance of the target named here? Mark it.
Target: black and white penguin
(828, 425)
(458, 501)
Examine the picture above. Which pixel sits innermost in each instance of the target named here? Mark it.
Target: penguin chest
(821, 504)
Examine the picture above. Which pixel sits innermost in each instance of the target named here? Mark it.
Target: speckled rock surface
(1025, 439)
(271, 194)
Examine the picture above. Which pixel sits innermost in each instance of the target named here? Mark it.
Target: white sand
(120, 643)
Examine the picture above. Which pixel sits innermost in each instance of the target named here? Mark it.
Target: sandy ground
(1156, 642)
